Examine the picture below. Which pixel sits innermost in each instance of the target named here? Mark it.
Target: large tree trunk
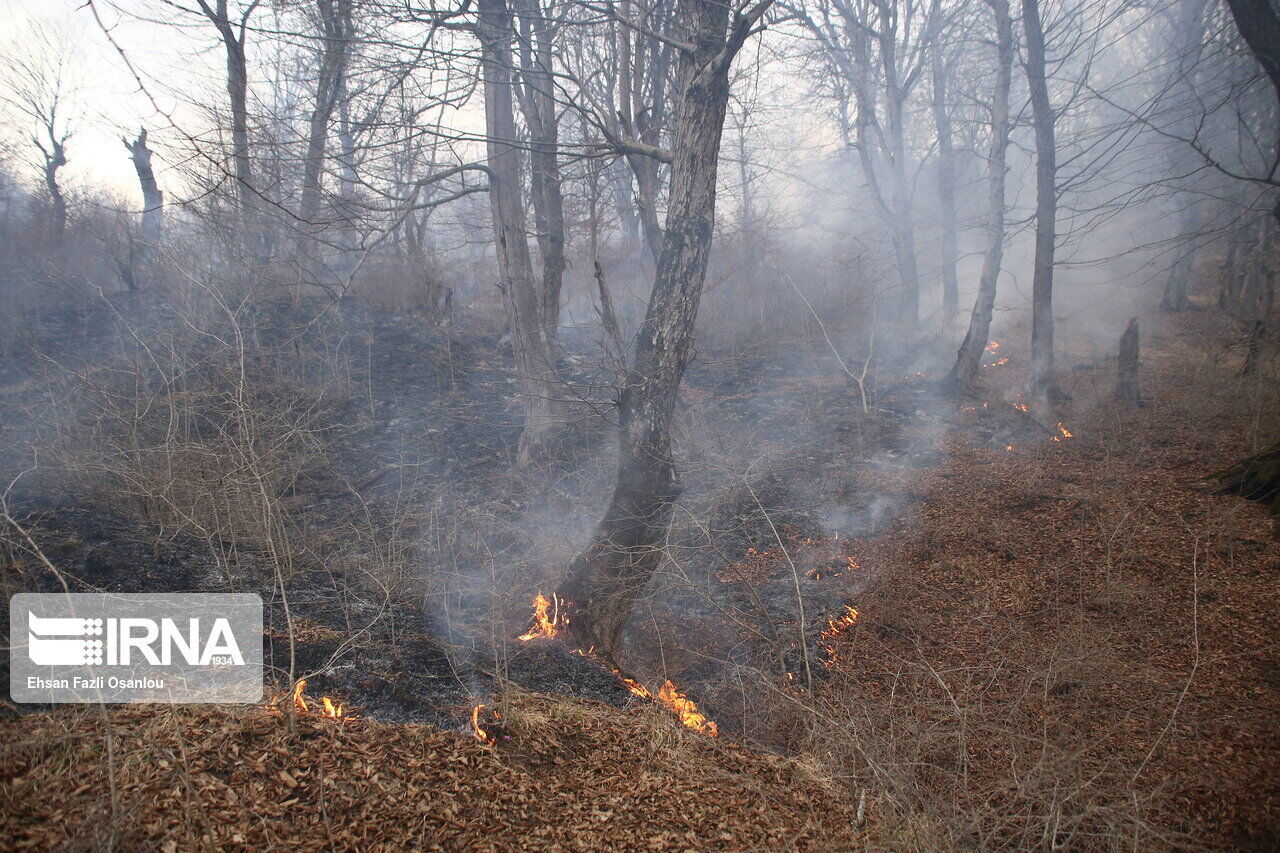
(603, 583)
(964, 373)
(1259, 24)
(238, 92)
(946, 186)
(540, 388)
(1043, 380)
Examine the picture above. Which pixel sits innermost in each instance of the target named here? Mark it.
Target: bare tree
(40, 90)
(1043, 381)
(538, 103)
(152, 227)
(1259, 25)
(1188, 32)
(604, 581)
(881, 50)
(334, 30)
(946, 178)
(964, 373)
(542, 390)
(232, 32)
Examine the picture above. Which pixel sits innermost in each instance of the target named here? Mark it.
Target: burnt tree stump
(1127, 387)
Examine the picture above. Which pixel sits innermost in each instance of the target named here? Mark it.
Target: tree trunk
(946, 187)
(152, 207)
(1044, 386)
(604, 581)
(1127, 391)
(544, 137)
(1259, 25)
(54, 159)
(1189, 37)
(964, 373)
(335, 28)
(540, 387)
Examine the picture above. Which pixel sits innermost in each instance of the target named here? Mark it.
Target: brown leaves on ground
(575, 776)
(1069, 646)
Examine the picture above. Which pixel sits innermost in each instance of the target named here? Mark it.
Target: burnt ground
(1057, 643)
(773, 444)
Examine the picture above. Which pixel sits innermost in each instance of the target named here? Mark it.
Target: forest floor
(1057, 644)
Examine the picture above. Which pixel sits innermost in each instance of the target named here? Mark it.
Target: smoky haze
(618, 350)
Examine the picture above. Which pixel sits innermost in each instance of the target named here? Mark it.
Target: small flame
(547, 619)
(993, 346)
(634, 686)
(835, 627)
(1063, 432)
(686, 710)
(477, 730)
(328, 707)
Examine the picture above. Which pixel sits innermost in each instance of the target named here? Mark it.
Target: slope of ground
(1071, 645)
(571, 776)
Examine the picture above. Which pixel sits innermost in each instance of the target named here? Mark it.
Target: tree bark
(604, 581)
(540, 387)
(1043, 380)
(964, 373)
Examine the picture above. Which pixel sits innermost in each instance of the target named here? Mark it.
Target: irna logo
(135, 647)
(71, 641)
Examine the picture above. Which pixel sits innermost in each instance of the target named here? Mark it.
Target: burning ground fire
(991, 349)
(684, 708)
(326, 708)
(547, 621)
(835, 628)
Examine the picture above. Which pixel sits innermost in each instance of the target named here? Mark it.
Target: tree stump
(1127, 387)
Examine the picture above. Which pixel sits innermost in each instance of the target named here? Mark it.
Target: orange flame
(993, 346)
(835, 627)
(1063, 432)
(477, 730)
(546, 618)
(686, 710)
(328, 708)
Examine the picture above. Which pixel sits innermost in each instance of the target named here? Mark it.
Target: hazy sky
(108, 101)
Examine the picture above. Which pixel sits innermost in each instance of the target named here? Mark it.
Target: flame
(686, 710)
(327, 708)
(1004, 359)
(993, 346)
(634, 686)
(476, 729)
(1063, 432)
(835, 627)
(547, 618)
